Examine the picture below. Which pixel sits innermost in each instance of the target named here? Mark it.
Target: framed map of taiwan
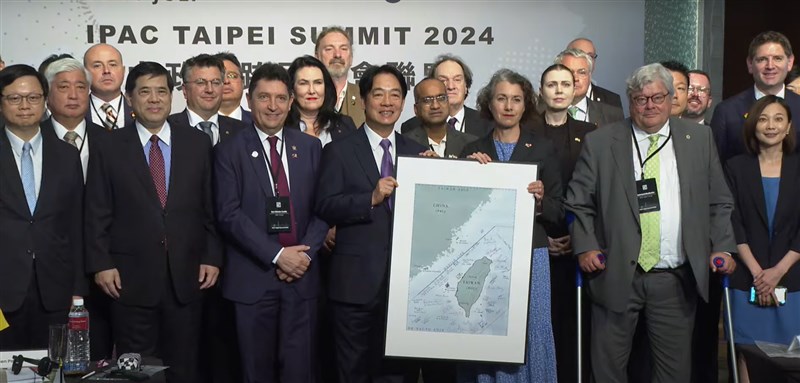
(461, 260)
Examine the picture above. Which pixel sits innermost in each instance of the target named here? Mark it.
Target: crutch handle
(719, 262)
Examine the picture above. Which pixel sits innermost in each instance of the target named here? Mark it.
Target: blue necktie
(28, 182)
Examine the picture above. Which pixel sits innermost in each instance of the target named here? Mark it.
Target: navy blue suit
(360, 261)
(276, 320)
(728, 121)
(247, 117)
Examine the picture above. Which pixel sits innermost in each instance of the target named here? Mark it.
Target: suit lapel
(11, 187)
(48, 190)
(623, 157)
(139, 162)
(366, 159)
(522, 150)
(295, 161)
(685, 158)
(786, 196)
(255, 150)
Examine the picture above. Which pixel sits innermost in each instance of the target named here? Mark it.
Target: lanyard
(639, 152)
(119, 107)
(269, 165)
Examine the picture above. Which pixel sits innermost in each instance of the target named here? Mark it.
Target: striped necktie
(110, 121)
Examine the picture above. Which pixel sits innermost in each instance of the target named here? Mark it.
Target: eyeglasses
(699, 89)
(202, 83)
(232, 75)
(657, 99)
(16, 99)
(442, 98)
(580, 73)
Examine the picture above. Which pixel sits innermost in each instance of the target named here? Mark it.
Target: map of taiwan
(461, 259)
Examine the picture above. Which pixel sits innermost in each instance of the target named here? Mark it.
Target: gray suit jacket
(602, 114)
(455, 140)
(602, 196)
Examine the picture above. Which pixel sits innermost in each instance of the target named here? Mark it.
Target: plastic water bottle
(77, 360)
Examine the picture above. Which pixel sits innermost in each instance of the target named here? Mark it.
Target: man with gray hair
(583, 108)
(649, 195)
(596, 92)
(334, 48)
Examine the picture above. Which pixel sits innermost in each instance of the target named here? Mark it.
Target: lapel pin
(577, 139)
(254, 154)
(294, 155)
(227, 132)
(294, 147)
(688, 137)
(528, 145)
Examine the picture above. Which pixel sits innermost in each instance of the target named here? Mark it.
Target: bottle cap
(77, 302)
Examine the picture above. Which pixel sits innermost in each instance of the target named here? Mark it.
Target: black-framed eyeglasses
(16, 99)
(442, 98)
(657, 99)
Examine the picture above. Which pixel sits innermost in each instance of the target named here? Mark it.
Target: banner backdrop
(488, 35)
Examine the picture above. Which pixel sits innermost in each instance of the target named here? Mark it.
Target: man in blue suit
(265, 178)
(355, 194)
(769, 60)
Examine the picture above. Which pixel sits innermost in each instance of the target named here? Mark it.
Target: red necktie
(157, 170)
(290, 238)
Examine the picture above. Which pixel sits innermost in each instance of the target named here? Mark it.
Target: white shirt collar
(460, 115)
(61, 130)
(375, 138)
(642, 136)
(760, 94)
(17, 143)
(263, 136)
(115, 103)
(144, 135)
(195, 118)
(237, 114)
(583, 105)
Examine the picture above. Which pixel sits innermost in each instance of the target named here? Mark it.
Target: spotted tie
(158, 170)
(650, 251)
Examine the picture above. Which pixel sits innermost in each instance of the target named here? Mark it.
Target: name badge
(647, 194)
(279, 218)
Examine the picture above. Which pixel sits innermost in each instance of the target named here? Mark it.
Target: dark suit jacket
(602, 196)
(728, 121)
(242, 186)
(51, 236)
(127, 229)
(340, 127)
(605, 96)
(92, 130)
(227, 126)
(127, 115)
(352, 106)
(473, 124)
(750, 221)
(602, 114)
(247, 117)
(532, 148)
(348, 176)
(456, 141)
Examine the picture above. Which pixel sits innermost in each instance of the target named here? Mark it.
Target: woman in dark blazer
(508, 100)
(313, 110)
(766, 222)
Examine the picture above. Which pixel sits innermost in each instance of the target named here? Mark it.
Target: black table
(762, 368)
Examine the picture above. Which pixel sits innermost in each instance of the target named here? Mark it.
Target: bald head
(104, 62)
(585, 45)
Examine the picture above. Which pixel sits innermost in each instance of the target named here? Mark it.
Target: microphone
(44, 366)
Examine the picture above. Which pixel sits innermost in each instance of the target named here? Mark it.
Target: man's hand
(481, 157)
(590, 261)
(383, 190)
(559, 246)
(283, 276)
(109, 282)
(330, 239)
(294, 261)
(429, 153)
(728, 263)
(208, 276)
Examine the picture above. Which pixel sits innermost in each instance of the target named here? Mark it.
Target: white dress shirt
(760, 94)
(99, 116)
(82, 141)
(438, 148)
(36, 156)
(195, 120)
(669, 194)
(582, 114)
(237, 113)
(324, 135)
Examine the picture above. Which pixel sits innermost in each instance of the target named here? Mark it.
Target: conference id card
(647, 194)
(279, 218)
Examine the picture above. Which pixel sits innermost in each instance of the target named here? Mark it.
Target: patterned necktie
(387, 166)
(28, 181)
(71, 138)
(452, 122)
(290, 238)
(157, 170)
(205, 126)
(111, 117)
(573, 111)
(650, 252)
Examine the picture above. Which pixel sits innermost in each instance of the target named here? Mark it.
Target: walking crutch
(719, 262)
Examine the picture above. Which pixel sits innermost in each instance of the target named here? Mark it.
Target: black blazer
(750, 222)
(533, 148)
(605, 96)
(456, 141)
(473, 123)
(227, 126)
(92, 130)
(127, 229)
(340, 126)
(348, 175)
(51, 237)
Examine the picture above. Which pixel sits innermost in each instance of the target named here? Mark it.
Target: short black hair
(52, 58)
(147, 68)
(202, 60)
(365, 85)
(269, 72)
(676, 66)
(230, 57)
(14, 72)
